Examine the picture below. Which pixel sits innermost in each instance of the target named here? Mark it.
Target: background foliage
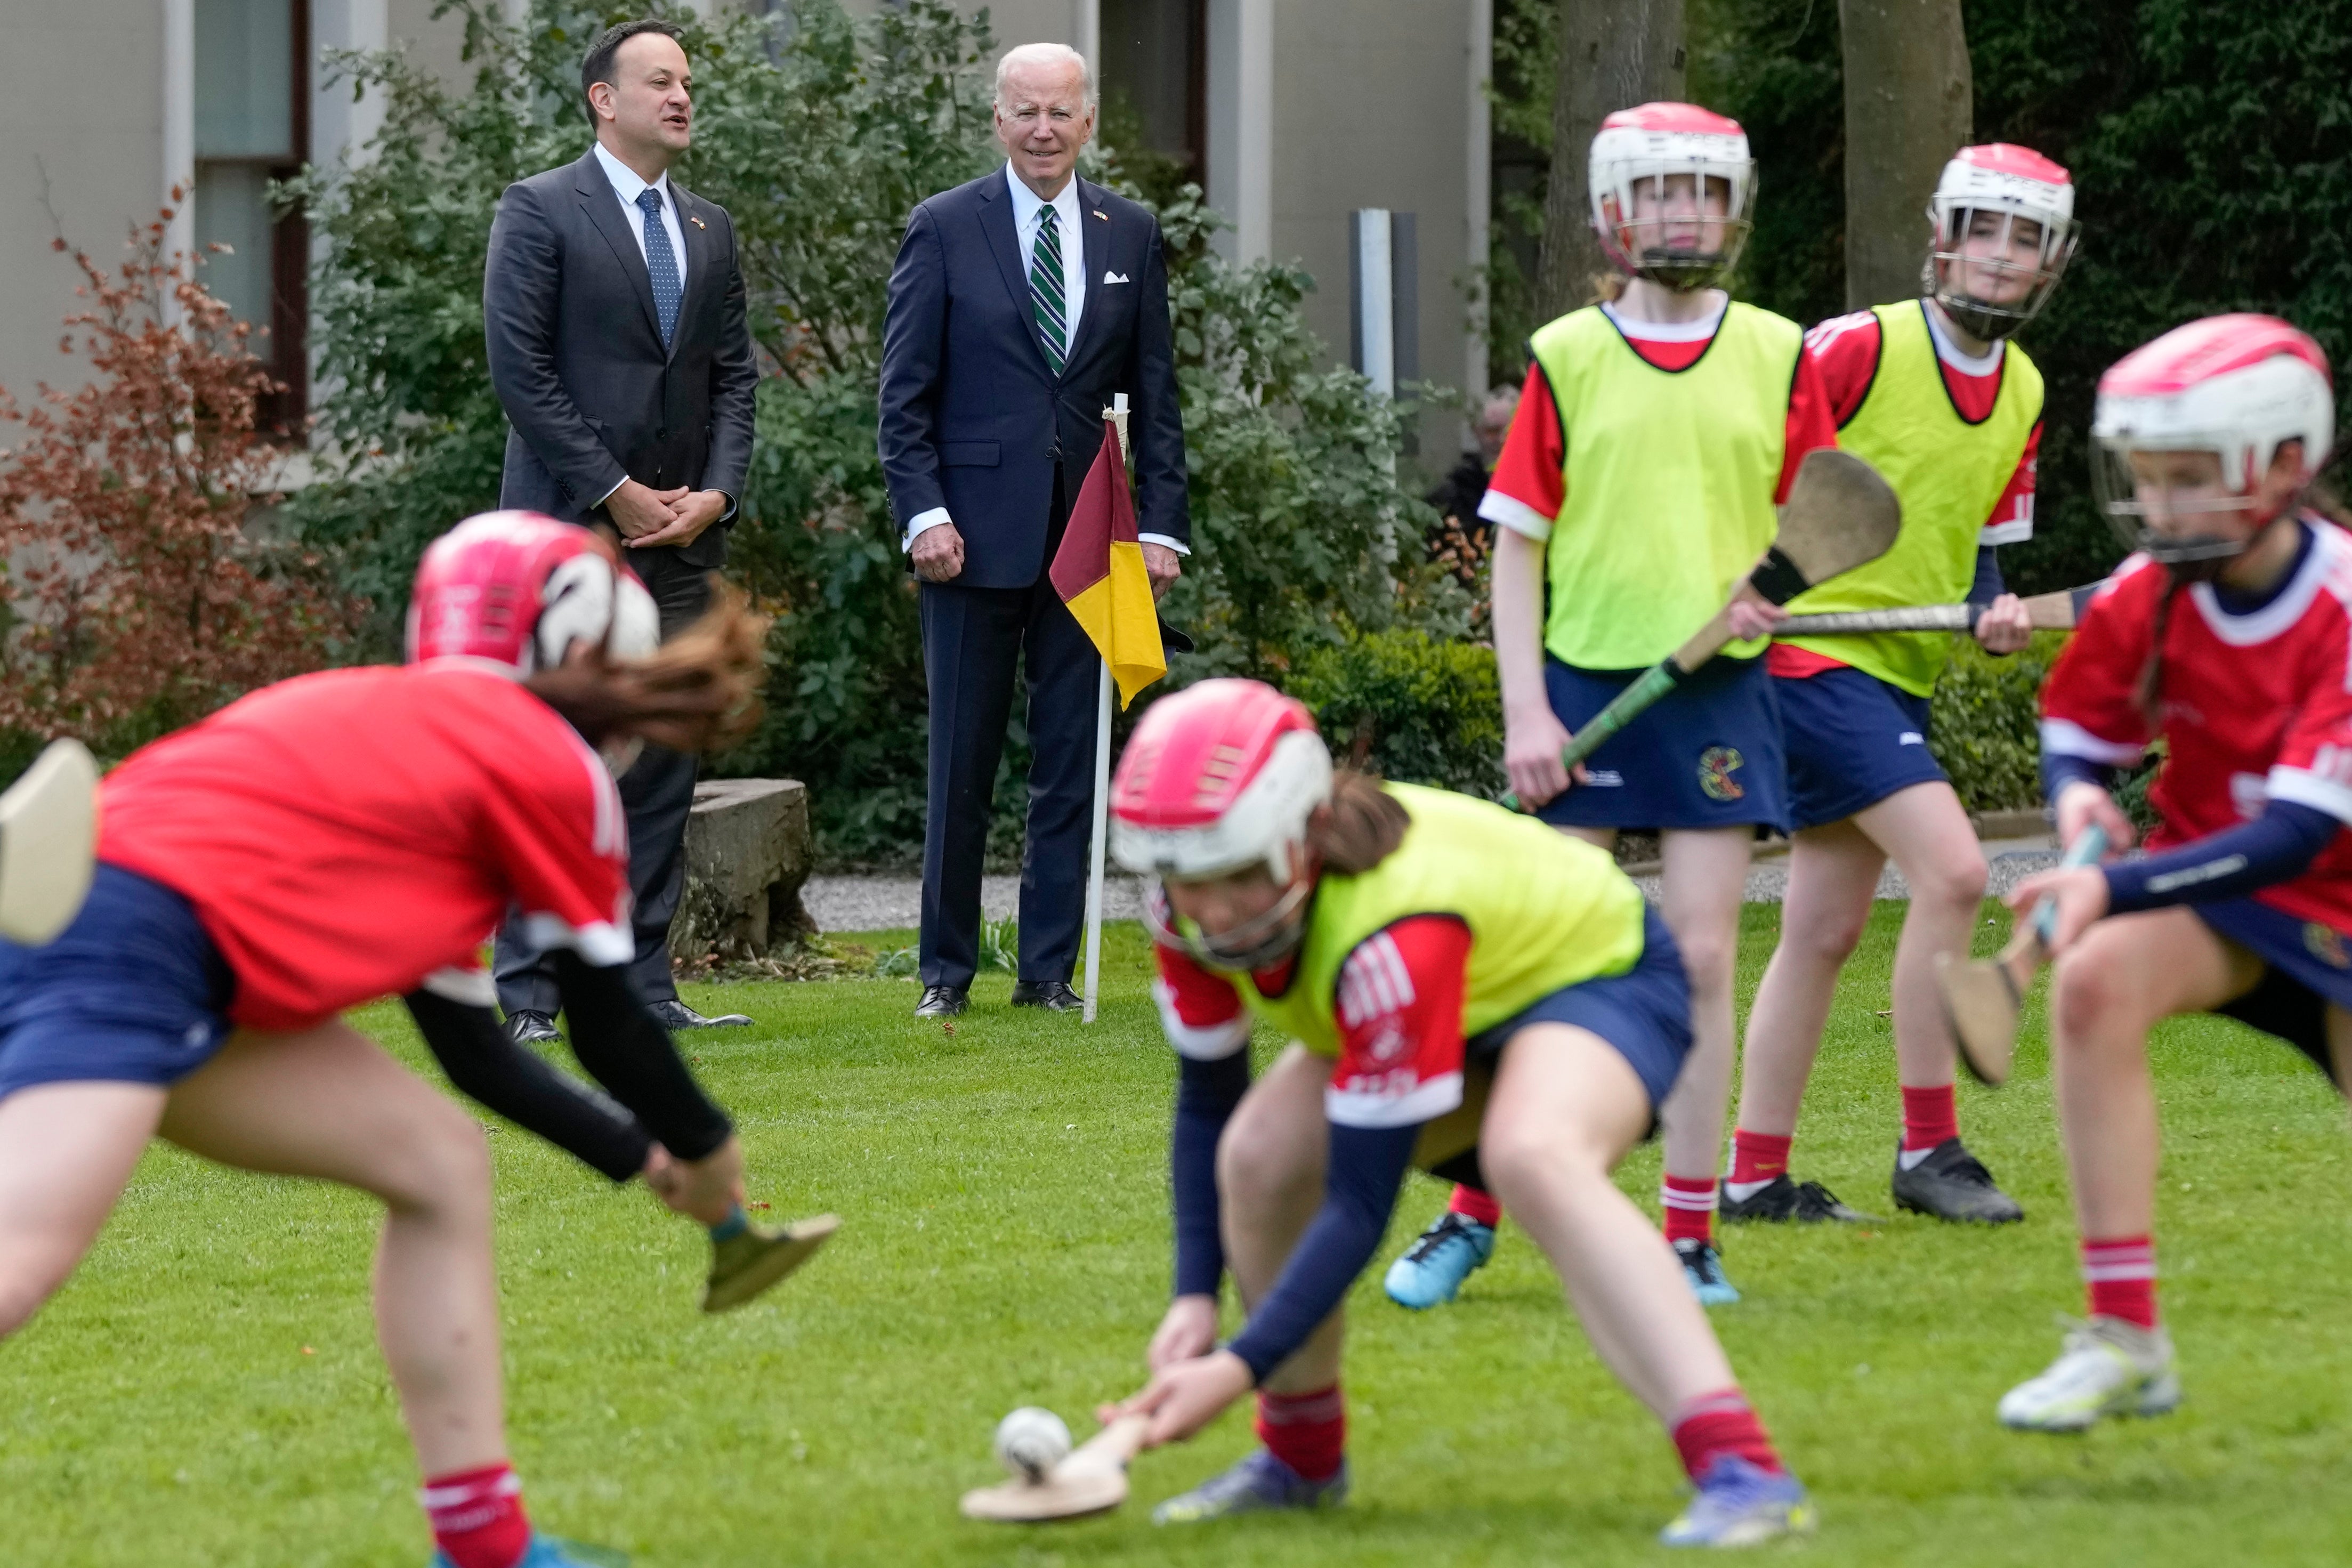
(819, 132)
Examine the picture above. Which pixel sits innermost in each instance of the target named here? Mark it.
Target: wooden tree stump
(748, 854)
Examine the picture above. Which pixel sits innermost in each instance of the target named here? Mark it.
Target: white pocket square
(1114, 277)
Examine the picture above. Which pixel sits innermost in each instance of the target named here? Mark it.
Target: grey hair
(1043, 54)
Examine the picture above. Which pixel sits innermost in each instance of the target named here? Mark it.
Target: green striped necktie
(1047, 300)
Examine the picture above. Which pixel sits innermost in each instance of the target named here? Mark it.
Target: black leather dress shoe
(1054, 995)
(675, 1015)
(943, 1002)
(525, 1028)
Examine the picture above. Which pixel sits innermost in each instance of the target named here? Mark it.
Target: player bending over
(1934, 395)
(1656, 433)
(1410, 942)
(322, 843)
(2229, 637)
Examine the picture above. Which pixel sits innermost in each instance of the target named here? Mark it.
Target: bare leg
(327, 1103)
(2116, 982)
(1924, 830)
(66, 1151)
(1270, 1166)
(1566, 1108)
(1833, 871)
(1705, 879)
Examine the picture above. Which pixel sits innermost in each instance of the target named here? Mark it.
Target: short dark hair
(598, 66)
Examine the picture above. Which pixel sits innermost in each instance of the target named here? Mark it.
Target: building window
(252, 113)
(1154, 77)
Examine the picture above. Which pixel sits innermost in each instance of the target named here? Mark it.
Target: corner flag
(1099, 573)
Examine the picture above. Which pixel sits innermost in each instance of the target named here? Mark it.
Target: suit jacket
(972, 417)
(577, 360)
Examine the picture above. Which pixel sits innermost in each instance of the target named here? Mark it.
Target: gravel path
(889, 903)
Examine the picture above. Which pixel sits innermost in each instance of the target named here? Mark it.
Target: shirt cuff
(728, 515)
(2016, 531)
(1163, 541)
(923, 521)
(2066, 738)
(608, 495)
(1508, 511)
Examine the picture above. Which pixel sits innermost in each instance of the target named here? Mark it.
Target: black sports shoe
(525, 1028)
(1785, 1200)
(1953, 1184)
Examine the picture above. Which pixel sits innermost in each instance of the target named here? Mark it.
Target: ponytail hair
(696, 692)
(1361, 825)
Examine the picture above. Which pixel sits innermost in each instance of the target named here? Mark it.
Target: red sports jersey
(1531, 470)
(2257, 707)
(1399, 1006)
(344, 835)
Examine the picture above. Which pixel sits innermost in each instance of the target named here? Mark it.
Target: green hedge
(1983, 725)
(1427, 711)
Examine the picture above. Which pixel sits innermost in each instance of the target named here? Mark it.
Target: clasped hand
(648, 517)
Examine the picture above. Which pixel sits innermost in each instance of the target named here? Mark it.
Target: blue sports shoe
(1739, 1504)
(1703, 1266)
(1257, 1482)
(1439, 1258)
(550, 1551)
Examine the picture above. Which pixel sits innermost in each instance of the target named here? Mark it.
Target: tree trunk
(1909, 106)
(1613, 53)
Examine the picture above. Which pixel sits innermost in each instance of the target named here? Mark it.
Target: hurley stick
(2047, 612)
(1839, 515)
(1982, 997)
(48, 841)
(1093, 1480)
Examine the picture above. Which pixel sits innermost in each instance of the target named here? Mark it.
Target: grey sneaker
(1953, 1184)
(1256, 1482)
(2107, 1367)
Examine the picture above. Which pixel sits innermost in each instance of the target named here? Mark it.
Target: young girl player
(1935, 398)
(1657, 431)
(1417, 946)
(344, 837)
(2229, 637)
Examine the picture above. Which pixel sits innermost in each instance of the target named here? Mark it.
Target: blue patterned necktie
(1047, 300)
(661, 263)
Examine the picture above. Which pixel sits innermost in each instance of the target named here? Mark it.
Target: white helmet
(2018, 186)
(1218, 778)
(1652, 143)
(2239, 386)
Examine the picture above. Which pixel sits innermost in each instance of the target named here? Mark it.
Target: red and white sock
(2119, 1274)
(1931, 1116)
(1473, 1204)
(1689, 1204)
(1757, 1159)
(1721, 1423)
(476, 1516)
(1308, 1432)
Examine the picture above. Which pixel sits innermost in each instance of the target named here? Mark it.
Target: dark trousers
(657, 793)
(971, 638)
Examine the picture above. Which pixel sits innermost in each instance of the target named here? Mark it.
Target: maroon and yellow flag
(1100, 573)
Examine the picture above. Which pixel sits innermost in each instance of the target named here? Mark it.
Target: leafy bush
(819, 134)
(1984, 723)
(1428, 712)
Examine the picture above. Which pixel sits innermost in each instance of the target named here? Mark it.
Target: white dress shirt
(628, 187)
(1027, 208)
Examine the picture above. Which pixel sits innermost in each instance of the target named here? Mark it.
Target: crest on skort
(2326, 945)
(1715, 765)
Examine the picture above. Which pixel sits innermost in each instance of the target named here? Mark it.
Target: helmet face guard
(1259, 942)
(1974, 268)
(1652, 173)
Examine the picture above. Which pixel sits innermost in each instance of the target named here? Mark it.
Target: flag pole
(1117, 415)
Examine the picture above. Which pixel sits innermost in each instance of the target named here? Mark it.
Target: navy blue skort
(1852, 741)
(1707, 755)
(1645, 1013)
(2307, 964)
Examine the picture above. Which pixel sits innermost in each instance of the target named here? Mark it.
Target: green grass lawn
(207, 1390)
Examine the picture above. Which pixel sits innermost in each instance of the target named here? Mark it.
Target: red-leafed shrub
(140, 589)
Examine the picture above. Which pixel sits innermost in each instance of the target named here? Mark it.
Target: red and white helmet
(1219, 778)
(2239, 386)
(2016, 184)
(514, 590)
(1653, 142)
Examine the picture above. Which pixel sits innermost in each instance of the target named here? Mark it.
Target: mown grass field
(207, 1390)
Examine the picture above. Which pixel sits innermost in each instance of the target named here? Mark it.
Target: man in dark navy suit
(1019, 304)
(619, 347)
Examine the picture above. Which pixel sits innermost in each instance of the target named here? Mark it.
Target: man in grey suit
(619, 347)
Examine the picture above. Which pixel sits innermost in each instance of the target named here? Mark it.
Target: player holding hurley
(348, 836)
(2229, 637)
(1407, 940)
(1934, 395)
(1656, 433)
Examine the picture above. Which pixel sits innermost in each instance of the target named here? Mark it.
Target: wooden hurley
(2048, 613)
(1839, 515)
(1982, 997)
(48, 842)
(1093, 1480)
